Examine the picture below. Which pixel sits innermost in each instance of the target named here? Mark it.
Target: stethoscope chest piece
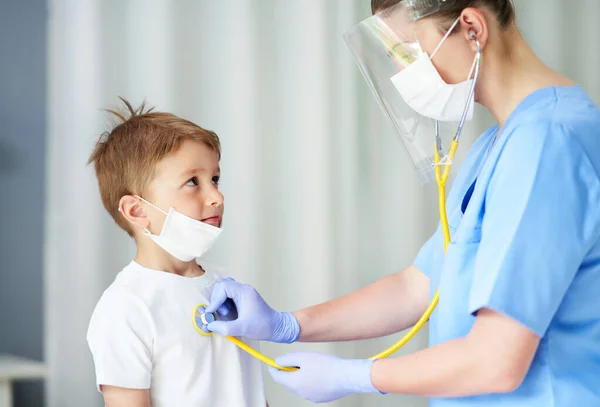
(201, 319)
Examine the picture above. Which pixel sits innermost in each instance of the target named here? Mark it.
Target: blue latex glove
(227, 311)
(322, 377)
(255, 318)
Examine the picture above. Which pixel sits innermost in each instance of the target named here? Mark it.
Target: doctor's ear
(474, 26)
(130, 209)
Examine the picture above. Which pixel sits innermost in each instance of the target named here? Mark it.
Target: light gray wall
(22, 139)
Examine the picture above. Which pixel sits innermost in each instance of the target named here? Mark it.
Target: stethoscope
(201, 318)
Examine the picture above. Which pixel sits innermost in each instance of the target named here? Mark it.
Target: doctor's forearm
(451, 369)
(386, 306)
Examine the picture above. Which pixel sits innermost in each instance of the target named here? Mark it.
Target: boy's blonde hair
(125, 158)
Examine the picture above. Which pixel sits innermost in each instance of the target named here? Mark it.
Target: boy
(158, 176)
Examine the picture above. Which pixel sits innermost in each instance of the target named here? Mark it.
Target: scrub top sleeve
(541, 218)
(430, 253)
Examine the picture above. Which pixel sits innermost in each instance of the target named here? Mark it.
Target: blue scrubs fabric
(527, 245)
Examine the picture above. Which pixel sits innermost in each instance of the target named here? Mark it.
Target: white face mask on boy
(183, 237)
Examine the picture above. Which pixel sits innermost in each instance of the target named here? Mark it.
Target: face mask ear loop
(471, 92)
(154, 206)
(444, 38)
(475, 60)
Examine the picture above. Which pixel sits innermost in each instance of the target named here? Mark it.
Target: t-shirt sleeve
(120, 338)
(541, 218)
(430, 253)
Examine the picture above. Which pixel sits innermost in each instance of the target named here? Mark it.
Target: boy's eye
(192, 182)
(216, 179)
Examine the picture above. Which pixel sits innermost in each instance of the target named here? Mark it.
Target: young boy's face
(187, 180)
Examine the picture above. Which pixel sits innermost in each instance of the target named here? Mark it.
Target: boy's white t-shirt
(141, 336)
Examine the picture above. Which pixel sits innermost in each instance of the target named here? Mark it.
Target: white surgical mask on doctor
(424, 90)
(183, 237)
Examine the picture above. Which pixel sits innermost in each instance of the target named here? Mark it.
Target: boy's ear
(130, 208)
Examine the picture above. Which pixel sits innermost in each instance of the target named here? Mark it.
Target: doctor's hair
(125, 157)
(504, 10)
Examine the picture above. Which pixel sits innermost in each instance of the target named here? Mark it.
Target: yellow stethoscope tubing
(442, 171)
(441, 175)
(244, 346)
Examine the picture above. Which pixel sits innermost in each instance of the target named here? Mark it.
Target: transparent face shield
(418, 9)
(384, 45)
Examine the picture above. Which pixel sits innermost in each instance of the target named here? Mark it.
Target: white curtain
(320, 197)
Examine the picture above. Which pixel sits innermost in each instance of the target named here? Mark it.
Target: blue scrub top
(528, 246)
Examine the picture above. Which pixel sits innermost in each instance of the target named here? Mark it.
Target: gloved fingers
(222, 290)
(278, 375)
(226, 328)
(293, 359)
(226, 308)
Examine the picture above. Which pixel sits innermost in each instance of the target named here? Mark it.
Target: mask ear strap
(154, 206)
(444, 37)
(477, 54)
(475, 60)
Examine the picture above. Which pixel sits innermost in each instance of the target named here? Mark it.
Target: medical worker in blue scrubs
(518, 320)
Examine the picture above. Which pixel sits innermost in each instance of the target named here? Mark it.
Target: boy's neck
(152, 256)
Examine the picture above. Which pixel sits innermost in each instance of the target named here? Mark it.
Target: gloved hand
(255, 318)
(227, 311)
(322, 377)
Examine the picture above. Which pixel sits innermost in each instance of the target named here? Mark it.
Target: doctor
(518, 321)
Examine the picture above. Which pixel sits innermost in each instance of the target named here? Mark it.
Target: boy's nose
(215, 198)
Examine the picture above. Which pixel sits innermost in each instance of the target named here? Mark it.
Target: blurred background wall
(320, 196)
(23, 132)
